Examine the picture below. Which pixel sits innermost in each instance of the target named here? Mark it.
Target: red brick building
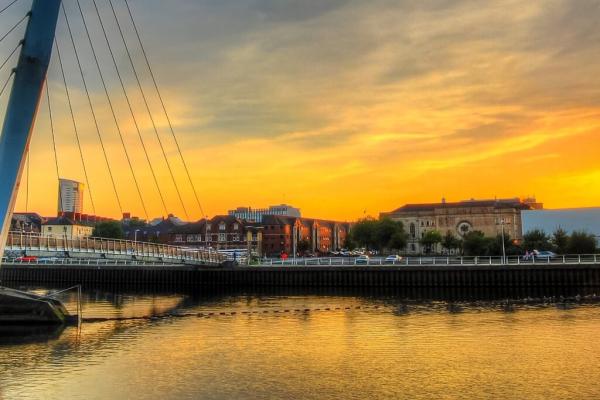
(221, 232)
(271, 237)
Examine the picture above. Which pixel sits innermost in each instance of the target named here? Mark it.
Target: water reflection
(338, 344)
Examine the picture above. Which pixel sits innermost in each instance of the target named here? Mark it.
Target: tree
(398, 240)
(560, 240)
(475, 243)
(363, 233)
(536, 240)
(581, 242)
(390, 234)
(109, 230)
(430, 239)
(494, 246)
(378, 234)
(450, 242)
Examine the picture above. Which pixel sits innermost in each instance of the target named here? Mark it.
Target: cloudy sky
(339, 107)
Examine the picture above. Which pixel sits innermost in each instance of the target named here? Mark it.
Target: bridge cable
(137, 78)
(11, 54)
(112, 110)
(60, 199)
(137, 128)
(164, 108)
(15, 26)
(6, 82)
(8, 6)
(85, 86)
(87, 181)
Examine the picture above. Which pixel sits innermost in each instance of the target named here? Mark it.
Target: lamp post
(501, 223)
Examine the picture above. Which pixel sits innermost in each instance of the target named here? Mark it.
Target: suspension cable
(15, 26)
(11, 54)
(136, 126)
(112, 110)
(137, 78)
(60, 199)
(164, 108)
(87, 92)
(6, 82)
(87, 181)
(8, 6)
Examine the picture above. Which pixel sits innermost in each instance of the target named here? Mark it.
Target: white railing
(77, 261)
(23, 241)
(437, 260)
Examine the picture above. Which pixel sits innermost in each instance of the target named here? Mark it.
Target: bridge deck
(100, 248)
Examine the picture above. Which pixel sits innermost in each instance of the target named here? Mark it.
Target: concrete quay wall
(565, 275)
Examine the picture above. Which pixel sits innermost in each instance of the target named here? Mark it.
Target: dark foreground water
(292, 346)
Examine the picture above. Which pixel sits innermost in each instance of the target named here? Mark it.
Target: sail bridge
(82, 250)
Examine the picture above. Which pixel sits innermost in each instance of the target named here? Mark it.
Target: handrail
(36, 241)
(584, 259)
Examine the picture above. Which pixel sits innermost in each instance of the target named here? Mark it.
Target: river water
(315, 346)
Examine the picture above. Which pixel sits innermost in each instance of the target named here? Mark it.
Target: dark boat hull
(17, 307)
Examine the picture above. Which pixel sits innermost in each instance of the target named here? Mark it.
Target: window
(413, 230)
(235, 226)
(49, 229)
(236, 238)
(222, 237)
(222, 226)
(208, 238)
(208, 227)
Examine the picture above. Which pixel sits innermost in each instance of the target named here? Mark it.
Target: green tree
(109, 230)
(390, 234)
(494, 246)
(536, 240)
(581, 242)
(398, 240)
(560, 240)
(430, 239)
(451, 242)
(363, 233)
(475, 243)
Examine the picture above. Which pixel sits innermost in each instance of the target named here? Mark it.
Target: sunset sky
(339, 107)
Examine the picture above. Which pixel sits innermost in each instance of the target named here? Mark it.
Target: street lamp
(501, 223)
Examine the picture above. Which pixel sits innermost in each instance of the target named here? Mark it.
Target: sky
(342, 108)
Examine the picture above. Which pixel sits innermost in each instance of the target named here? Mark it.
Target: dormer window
(235, 226)
(222, 226)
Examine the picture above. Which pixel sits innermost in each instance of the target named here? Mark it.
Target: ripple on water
(333, 347)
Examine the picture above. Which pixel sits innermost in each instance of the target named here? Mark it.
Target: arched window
(413, 230)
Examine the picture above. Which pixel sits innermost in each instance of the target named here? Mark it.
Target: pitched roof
(496, 203)
(65, 221)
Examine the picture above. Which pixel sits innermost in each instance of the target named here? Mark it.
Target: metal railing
(23, 241)
(438, 260)
(79, 261)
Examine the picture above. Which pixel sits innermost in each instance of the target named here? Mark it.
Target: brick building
(221, 232)
(271, 237)
(460, 218)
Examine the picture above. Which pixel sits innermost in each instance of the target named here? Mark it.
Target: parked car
(544, 255)
(48, 260)
(364, 259)
(393, 259)
(26, 259)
